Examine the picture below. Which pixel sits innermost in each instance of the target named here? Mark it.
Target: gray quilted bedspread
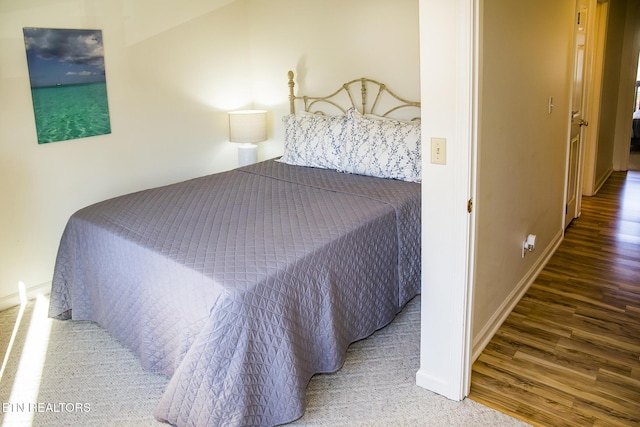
(241, 285)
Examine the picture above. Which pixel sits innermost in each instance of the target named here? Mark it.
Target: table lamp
(247, 127)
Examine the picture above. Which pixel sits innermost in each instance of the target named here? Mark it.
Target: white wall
(168, 95)
(327, 43)
(173, 71)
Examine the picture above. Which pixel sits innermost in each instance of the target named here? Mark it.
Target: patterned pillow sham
(314, 140)
(383, 148)
(374, 117)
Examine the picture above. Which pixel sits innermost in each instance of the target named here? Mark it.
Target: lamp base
(247, 154)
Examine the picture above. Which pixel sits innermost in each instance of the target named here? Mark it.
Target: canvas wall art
(68, 83)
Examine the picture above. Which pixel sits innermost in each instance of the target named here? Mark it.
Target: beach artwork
(68, 84)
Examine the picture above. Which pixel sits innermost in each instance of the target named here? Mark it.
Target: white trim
(449, 64)
(14, 299)
(492, 326)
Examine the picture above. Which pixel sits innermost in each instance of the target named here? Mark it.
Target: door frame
(585, 132)
(448, 228)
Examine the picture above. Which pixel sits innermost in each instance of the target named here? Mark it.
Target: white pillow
(314, 140)
(383, 148)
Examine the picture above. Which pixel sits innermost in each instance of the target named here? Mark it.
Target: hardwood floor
(569, 353)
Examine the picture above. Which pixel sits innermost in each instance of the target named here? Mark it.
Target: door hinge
(470, 205)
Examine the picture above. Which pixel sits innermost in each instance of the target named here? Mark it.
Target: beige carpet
(75, 374)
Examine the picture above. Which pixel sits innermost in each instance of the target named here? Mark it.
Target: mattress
(242, 285)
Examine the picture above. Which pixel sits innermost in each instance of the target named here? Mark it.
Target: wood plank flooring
(569, 353)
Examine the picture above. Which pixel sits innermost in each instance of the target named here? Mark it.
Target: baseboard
(438, 386)
(601, 181)
(14, 299)
(492, 326)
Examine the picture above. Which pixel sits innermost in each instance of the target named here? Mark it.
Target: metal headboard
(379, 90)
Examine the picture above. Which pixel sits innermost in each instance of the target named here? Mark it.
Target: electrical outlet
(529, 244)
(439, 151)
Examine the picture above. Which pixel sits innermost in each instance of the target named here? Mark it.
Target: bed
(240, 286)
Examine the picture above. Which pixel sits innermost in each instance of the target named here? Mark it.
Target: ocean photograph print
(68, 83)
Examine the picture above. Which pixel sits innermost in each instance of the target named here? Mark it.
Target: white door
(578, 114)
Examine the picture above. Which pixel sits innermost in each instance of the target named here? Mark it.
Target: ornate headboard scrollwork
(385, 103)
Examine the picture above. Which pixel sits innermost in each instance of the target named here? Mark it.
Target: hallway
(569, 353)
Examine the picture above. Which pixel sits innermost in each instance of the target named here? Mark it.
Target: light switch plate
(439, 151)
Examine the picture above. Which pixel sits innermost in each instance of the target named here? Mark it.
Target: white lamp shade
(248, 126)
